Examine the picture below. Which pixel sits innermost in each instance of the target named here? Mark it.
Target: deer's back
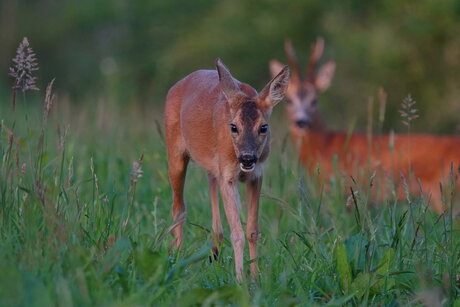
(429, 156)
(194, 110)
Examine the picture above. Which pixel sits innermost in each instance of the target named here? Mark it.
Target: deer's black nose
(247, 160)
(302, 123)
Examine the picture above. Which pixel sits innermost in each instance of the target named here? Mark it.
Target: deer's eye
(233, 128)
(263, 129)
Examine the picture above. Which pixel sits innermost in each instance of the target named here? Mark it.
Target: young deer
(428, 157)
(221, 124)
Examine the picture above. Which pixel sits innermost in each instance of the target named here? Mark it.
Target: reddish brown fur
(429, 157)
(199, 112)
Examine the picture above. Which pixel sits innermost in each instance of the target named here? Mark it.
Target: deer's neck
(317, 136)
(318, 126)
(314, 141)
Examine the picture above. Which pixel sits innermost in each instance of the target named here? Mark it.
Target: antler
(317, 51)
(292, 60)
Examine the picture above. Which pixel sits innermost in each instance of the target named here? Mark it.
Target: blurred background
(131, 52)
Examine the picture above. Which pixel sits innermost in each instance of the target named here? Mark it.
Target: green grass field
(78, 227)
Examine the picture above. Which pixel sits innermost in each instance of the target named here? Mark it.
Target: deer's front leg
(177, 168)
(252, 227)
(230, 199)
(217, 231)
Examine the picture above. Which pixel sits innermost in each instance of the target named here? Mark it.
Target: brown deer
(222, 125)
(422, 157)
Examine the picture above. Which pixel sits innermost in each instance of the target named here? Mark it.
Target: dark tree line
(134, 50)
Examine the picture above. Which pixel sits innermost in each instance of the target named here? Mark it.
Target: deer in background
(428, 157)
(222, 125)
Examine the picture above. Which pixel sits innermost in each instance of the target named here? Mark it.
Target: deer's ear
(275, 67)
(324, 76)
(274, 91)
(227, 83)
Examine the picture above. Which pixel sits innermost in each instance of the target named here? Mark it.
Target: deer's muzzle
(247, 162)
(303, 123)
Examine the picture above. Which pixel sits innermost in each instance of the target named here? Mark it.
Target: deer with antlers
(222, 125)
(425, 158)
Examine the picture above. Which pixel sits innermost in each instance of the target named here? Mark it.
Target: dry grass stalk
(408, 113)
(136, 173)
(382, 97)
(49, 100)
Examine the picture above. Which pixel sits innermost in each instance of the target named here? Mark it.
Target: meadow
(85, 220)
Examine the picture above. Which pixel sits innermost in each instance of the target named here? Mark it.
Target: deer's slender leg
(217, 234)
(230, 199)
(177, 169)
(434, 192)
(252, 227)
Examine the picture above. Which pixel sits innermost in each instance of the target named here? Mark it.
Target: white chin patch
(247, 170)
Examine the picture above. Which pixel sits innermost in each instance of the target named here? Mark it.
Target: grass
(80, 227)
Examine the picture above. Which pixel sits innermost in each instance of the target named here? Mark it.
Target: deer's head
(302, 93)
(248, 124)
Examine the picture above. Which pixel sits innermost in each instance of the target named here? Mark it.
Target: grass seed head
(136, 171)
(25, 63)
(408, 111)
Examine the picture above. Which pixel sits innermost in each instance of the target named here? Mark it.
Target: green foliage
(66, 238)
(384, 281)
(133, 51)
(343, 267)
